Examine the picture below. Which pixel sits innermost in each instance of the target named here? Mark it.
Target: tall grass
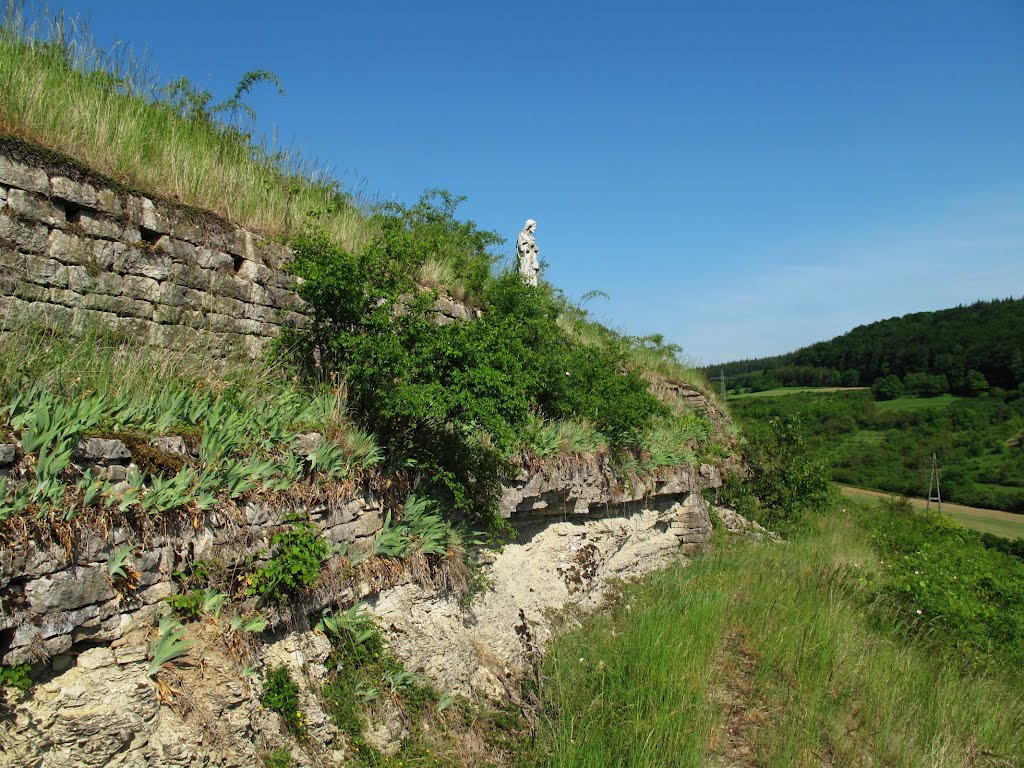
(106, 109)
(762, 655)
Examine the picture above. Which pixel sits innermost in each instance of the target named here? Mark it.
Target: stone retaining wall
(78, 249)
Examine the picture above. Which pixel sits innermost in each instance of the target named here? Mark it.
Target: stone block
(35, 207)
(248, 327)
(229, 286)
(240, 243)
(8, 453)
(97, 449)
(220, 323)
(143, 262)
(15, 174)
(228, 307)
(25, 236)
(186, 227)
(213, 259)
(109, 202)
(138, 287)
(44, 271)
(85, 280)
(73, 191)
(99, 226)
(275, 255)
(282, 298)
(143, 212)
(175, 295)
(190, 275)
(120, 306)
(69, 589)
(262, 315)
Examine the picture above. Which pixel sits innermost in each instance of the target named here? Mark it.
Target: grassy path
(762, 657)
(995, 521)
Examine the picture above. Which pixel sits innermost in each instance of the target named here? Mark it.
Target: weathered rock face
(76, 248)
(578, 529)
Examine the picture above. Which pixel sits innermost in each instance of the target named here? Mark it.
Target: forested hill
(964, 350)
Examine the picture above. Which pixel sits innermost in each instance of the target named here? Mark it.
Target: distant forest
(963, 350)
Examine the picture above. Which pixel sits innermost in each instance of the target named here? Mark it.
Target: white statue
(527, 251)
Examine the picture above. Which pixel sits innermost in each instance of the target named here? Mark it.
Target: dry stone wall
(78, 249)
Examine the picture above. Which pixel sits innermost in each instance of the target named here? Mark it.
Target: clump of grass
(170, 139)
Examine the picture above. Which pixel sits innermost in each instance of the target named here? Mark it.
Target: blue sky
(745, 177)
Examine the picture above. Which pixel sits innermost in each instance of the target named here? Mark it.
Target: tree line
(964, 350)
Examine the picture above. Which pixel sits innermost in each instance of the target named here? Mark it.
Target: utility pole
(933, 481)
(721, 379)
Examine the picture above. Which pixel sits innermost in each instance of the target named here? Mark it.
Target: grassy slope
(762, 655)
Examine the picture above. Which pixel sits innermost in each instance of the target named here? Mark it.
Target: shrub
(298, 553)
(15, 676)
(783, 483)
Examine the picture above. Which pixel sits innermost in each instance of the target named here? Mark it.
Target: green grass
(917, 403)
(110, 113)
(763, 655)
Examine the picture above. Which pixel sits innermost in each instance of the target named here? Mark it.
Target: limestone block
(109, 202)
(240, 243)
(99, 226)
(8, 453)
(15, 174)
(30, 292)
(274, 255)
(190, 275)
(73, 191)
(85, 280)
(144, 262)
(228, 307)
(229, 286)
(3, 195)
(121, 307)
(219, 323)
(171, 444)
(97, 449)
(249, 271)
(282, 298)
(35, 207)
(23, 235)
(184, 227)
(262, 314)
(213, 259)
(44, 271)
(65, 298)
(69, 589)
(248, 327)
(175, 295)
(139, 287)
(143, 212)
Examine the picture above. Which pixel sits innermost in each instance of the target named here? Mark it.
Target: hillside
(963, 350)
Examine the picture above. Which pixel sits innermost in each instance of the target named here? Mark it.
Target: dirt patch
(734, 737)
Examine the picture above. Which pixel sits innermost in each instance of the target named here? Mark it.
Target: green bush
(298, 554)
(783, 483)
(947, 586)
(453, 401)
(15, 676)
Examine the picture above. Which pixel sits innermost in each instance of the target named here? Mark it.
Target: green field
(1006, 524)
(917, 403)
(792, 391)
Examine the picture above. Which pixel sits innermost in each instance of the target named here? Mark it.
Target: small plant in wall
(124, 579)
(281, 695)
(169, 646)
(298, 552)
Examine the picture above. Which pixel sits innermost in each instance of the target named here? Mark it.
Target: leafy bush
(298, 554)
(15, 676)
(454, 400)
(947, 586)
(783, 483)
(281, 695)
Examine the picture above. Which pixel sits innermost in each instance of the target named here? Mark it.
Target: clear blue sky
(745, 177)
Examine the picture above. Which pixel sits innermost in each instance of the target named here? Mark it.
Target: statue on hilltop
(527, 251)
